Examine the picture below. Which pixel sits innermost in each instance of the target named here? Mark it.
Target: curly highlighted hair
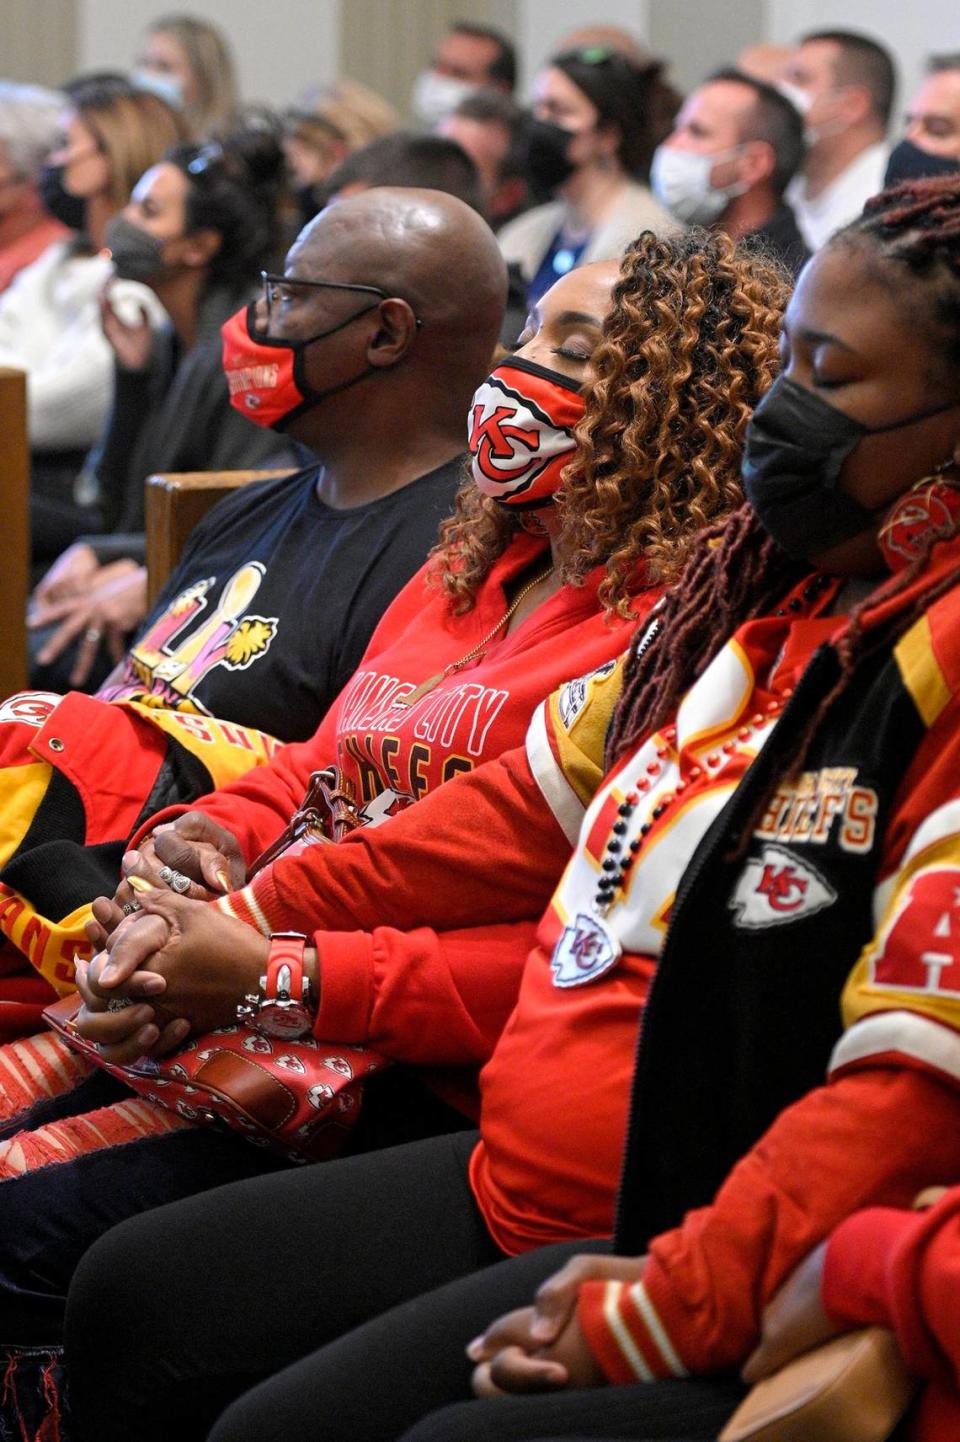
(688, 347)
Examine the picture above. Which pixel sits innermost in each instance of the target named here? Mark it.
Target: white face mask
(813, 134)
(680, 179)
(437, 96)
(803, 101)
(160, 82)
(799, 98)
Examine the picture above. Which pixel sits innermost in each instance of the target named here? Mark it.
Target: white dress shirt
(842, 200)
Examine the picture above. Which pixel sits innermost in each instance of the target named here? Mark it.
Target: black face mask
(795, 449)
(58, 202)
(137, 255)
(545, 156)
(908, 162)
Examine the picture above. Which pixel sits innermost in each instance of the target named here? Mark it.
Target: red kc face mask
(266, 377)
(521, 432)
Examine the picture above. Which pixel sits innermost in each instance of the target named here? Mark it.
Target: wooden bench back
(174, 505)
(15, 564)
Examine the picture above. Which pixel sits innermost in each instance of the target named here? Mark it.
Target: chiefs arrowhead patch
(585, 951)
(776, 887)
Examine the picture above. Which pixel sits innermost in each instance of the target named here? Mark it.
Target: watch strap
(284, 975)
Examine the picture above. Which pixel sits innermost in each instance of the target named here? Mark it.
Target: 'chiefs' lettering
(820, 803)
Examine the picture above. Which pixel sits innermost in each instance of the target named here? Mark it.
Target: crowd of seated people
(478, 950)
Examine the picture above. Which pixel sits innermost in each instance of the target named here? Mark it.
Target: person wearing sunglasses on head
(50, 326)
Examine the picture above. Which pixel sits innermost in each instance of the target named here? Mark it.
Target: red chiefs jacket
(852, 867)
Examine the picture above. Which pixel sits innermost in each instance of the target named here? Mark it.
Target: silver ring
(118, 1003)
(93, 635)
(174, 879)
(130, 907)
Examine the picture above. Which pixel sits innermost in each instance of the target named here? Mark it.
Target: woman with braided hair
(777, 836)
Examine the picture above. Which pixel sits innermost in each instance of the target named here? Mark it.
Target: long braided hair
(737, 570)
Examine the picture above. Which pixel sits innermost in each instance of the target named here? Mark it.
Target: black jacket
(711, 1078)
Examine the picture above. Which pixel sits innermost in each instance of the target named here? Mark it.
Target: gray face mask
(137, 255)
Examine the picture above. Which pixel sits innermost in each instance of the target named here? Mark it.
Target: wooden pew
(15, 494)
(174, 505)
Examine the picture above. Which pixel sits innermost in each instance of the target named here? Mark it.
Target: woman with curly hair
(764, 893)
(508, 606)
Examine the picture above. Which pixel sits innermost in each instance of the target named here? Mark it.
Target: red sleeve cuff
(624, 1328)
(591, 1303)
(345, 962)
(855, 1288)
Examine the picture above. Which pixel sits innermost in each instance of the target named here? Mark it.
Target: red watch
(284, 1007)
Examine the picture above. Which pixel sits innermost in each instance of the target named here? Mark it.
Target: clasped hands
(542, 1348)
(180, 964)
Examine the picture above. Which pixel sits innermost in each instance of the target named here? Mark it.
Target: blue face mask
(795, 449)
(159, 82)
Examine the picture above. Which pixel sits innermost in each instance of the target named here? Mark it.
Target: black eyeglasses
(278, 288)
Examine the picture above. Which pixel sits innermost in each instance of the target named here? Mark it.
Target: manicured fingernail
(223, 879)
(130, 858)
(137, 883)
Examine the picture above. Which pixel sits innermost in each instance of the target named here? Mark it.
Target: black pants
(681, 1411)
(49, 1217)
(223, 1301)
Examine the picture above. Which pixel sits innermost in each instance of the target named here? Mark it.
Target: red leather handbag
(296, 1097)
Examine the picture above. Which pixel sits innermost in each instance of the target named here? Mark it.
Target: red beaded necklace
(626, 838)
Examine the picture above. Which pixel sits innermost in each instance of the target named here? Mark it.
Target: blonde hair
(215, 108)
(344, 111)
(133, 129)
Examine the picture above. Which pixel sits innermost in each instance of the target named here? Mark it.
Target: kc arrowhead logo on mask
(521, 432)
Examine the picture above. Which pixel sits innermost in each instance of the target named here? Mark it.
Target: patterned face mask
(521, 432)
(266, 377)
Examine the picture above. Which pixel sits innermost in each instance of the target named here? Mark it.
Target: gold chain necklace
(427, 686)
